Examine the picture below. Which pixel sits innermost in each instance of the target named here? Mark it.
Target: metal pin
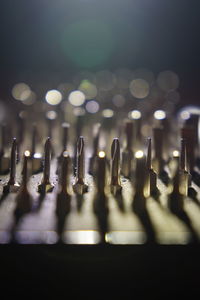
(152, 180)
(2, 150)
(4, 161)
(140, 174)
(12, 185)
(115, 184)
(36, 160)
(95, 148)
(101, 172)
(23, 198)
(45, 185)
(176, 199)
(65, 127)
(158, 148)
(33, 141)
(158, 161)
(188, 133)
(183, 165)
(64, 173)
(79, 186)
(127, 153)
(149, 155)
(63, 197)
(185, 177)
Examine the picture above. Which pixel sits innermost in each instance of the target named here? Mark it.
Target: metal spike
(79, 186)
(127, 153)
(64, 173)
(65, 127)
(12, 185)
(45, 185)
(152, 176)
(95, 148)
(115, 168)
(101, 172)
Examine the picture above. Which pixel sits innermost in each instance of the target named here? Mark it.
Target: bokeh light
(159, 114)
(175, 153)
(102, 154)
(53, 97)
(21, 91)
(134, 114)
(92, 107)
(139, 154)
(88, 88)
(76, 98)
(51, 115)
(167, 80)
(139, 88)
(107, 113)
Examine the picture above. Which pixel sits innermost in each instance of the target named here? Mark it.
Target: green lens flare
(88, 43)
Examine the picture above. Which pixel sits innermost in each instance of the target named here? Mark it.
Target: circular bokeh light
(92, 107)
(76, 98)
(139, 88)
(53, 97)
(168, 80)
(89, 89)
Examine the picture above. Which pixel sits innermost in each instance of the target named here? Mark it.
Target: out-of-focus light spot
(92, 107)
(51, 115)
(79, 111)
(89, 89)
(159, 115)
(27, 153)
(31, 99)
(175, 153)
(65, 125)
(134, 114)
(102, 154)
(184, 115)
(37, 155)
(139, 88)
(53, 97)
(23, 114)
(21, 91)
(65, 154)
(139, 154)
(76, 98)
(118, 100)
(167, 80)
(194, 110)
(25, 95)
(107, 113)
(105, 80)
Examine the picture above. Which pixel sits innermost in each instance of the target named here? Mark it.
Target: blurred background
(103, 46)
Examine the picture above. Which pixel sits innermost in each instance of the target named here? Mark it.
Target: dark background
(156, 34)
